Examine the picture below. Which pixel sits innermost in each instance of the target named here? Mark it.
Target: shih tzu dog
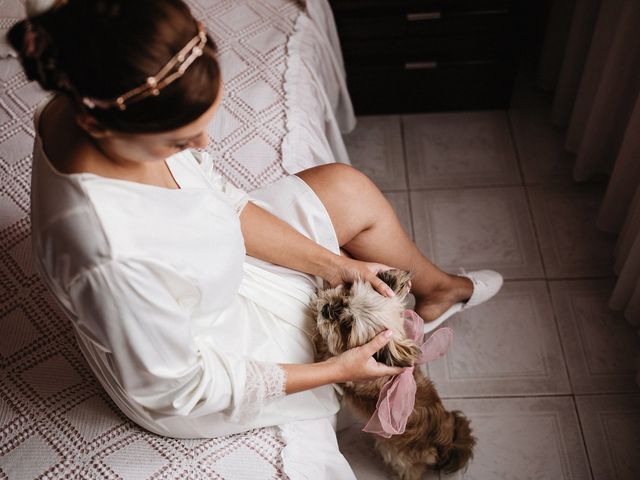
(430, 437)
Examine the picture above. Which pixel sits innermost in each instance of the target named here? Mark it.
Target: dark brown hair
(103, 48)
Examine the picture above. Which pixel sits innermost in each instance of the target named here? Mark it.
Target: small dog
(351, 315)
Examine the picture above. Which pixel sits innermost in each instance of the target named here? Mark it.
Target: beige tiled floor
(477, 228)
(545, 371)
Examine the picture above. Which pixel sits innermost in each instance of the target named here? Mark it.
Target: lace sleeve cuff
(264, 381)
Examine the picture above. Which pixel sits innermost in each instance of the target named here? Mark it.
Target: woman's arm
(129, 309)
(271, 239)
(353, 365)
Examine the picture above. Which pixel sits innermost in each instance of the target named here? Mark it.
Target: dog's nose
(325, 311)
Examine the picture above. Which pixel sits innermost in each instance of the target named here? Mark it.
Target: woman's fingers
(380, 287)
(377, 284)
(379, 267)
(387, 370)
(358, 363)
(356, 270)
(379, 341)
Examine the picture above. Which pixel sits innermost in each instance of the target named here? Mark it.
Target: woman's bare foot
(438, 301)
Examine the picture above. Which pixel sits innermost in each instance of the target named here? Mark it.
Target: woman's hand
(358, 364)
(348, 270)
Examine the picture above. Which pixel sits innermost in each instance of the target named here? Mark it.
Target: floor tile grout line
(465, 187)
(542, 259)
(514, 141)
(406, 177)
(507, 397)
(562, 279)
(541, 395)
(583, 436)
(481, 186)
(488, 187)
(555, 279)
(556, 322)
(616, 393)
(536, 231)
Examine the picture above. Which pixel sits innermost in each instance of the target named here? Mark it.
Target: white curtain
(591, 60)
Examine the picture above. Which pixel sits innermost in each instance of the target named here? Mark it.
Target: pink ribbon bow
(398, 395)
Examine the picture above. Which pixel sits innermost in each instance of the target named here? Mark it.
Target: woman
(188, 296)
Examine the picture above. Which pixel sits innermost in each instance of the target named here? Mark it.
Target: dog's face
(351, 315)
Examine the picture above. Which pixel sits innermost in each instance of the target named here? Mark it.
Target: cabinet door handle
(420, 65)
(484, 12)
(417, 17)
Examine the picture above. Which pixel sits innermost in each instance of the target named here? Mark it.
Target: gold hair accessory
(152, 86)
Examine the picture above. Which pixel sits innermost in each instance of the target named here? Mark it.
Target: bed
(284, 109)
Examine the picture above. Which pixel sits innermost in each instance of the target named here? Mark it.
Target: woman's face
(151, 147)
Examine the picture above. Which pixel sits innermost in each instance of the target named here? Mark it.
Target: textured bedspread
(284, 106)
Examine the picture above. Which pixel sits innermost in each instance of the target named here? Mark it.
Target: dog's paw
(398, 280)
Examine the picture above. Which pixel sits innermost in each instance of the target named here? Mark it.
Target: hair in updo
(103, 48)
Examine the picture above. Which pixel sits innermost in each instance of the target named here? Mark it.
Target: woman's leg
(369, 230)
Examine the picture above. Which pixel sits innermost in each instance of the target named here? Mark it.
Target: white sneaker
(486, 283)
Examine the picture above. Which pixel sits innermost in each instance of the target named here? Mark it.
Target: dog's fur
(350, 316)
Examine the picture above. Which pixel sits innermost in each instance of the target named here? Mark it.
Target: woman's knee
(351, 199)
(337, 178)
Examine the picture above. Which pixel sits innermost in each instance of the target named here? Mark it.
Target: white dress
(181, 328)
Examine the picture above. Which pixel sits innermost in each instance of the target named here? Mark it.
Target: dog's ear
(398, 280)
(384, 356)
(398, 353)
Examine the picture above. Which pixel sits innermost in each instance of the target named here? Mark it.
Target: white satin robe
(181, 328)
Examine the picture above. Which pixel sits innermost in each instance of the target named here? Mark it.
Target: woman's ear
(92, 126)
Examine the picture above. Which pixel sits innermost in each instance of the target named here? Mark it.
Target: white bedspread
(284, 108)
(286, 99)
